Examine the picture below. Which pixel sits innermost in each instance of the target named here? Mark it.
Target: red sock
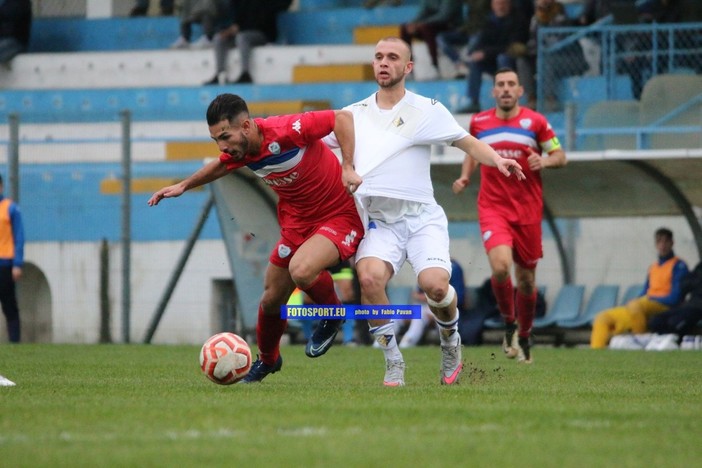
(526, 310)
(504, 295)
(322, 291)
(269, 330)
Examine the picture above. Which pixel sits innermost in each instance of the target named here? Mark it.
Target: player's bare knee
(501, 273)
(436, 292)
(302, 274)
(271, 301)
(371, 284)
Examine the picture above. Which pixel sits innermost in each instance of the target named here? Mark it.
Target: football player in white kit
(389, 174)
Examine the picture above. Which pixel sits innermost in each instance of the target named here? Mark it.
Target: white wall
(73, 273)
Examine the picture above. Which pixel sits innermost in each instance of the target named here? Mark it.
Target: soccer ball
(225, 358)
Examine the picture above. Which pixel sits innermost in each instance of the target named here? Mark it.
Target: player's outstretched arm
(211, 171)
(483, 153)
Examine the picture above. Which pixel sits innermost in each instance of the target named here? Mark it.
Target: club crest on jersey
(398, 122)
(297, 126)
(274, 147)
(283, 250)
(525, 123)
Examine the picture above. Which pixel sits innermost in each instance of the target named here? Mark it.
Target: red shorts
(524, 239)
(345, 231)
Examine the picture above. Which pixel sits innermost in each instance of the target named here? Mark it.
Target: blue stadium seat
(603, 297)
(565, 307)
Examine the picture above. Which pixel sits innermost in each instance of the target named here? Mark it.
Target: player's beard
(508, 105)
(242, 151)
(389, 82)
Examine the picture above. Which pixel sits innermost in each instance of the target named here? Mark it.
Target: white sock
(448, 331)
(385, 337)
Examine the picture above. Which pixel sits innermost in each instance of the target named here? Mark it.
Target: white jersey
(393, 147)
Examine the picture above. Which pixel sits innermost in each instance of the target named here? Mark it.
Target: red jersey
(301, 169)
(518, 201)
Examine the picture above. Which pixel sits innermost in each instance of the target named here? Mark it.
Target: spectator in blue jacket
(503, 27)
(662, 291)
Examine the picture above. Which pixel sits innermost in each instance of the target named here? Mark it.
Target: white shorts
(422, 240)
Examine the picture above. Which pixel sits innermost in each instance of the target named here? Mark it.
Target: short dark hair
(505, 70)
(663, 232)
(226, 106)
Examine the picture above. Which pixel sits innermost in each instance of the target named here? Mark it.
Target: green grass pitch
(139, 405)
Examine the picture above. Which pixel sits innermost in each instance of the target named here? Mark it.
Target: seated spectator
(203, 12)
(15, 26)
(252, 24)
(141, 7)
(464, 36)
(567, 62)
(433, 17)
(662, 290)
(501, 28)
(683, 319)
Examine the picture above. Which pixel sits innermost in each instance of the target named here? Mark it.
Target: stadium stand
(669, 101)
(668, 116)
(604, 119)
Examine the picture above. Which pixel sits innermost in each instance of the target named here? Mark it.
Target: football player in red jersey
(510, 212)
(318, 219)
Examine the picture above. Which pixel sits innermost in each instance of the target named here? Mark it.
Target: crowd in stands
(476, 36)
(249, 24)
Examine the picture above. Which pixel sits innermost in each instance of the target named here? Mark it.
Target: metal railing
(583, 66)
